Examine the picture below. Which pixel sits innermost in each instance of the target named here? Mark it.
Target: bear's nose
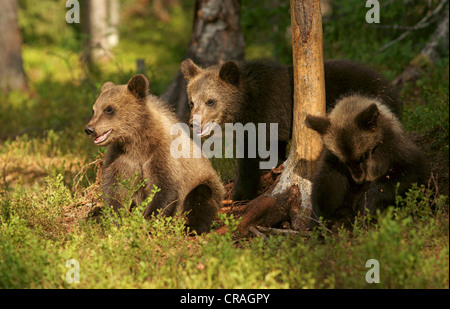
(89, 130)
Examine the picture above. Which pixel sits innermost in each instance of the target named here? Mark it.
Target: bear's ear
(107, 86)
(319, 124)
(189, 69)
(367, 119)
(138, 86)
(229, 72)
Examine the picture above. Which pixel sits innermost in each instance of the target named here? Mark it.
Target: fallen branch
(261, 231)
(287, 232)
(254, 230)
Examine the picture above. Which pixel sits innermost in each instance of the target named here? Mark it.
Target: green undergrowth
(48, 167)
(123, 250)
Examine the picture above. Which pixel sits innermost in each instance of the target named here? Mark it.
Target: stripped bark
(289, 197)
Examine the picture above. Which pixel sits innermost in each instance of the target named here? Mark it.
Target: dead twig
(286, 232)
(264, 232)
(272, 230)
(256, 232)
(400, 27)
(77, 176)
(425, 21)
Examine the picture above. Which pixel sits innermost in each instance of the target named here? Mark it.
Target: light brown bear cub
(135, 126)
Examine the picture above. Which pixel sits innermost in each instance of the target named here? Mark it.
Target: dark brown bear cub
(262, 92)
(367, 153)
(135, 126)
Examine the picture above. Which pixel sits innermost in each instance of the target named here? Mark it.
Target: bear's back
(344, 77)
(269, 91)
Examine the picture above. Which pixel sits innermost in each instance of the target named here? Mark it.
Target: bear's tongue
(102, 137)
(206, 129)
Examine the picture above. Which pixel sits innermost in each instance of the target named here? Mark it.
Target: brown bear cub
(367, 153)
(262, 92)
(135, 126)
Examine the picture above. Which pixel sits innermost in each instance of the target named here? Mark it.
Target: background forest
(48, 168)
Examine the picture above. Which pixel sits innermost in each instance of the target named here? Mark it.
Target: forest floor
(49, 169)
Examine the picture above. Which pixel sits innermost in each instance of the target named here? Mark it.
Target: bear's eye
(191, 104)
(364, 157)
(210, 102)
(109, 110)
(92, 111)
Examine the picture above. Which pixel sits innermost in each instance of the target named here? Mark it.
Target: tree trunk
(309, 88)
(100, 20)
(216, 38)
(113, 11)
(12, 75)
(289, 197)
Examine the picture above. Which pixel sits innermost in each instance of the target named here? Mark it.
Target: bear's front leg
(166, 199)
(329, 190)
(112, 193)
(382, 191)
(247, 179)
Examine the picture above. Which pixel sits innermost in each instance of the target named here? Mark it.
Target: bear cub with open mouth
(135, 127)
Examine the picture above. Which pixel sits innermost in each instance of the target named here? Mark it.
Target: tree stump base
(270, 210)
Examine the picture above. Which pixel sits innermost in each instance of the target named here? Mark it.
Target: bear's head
(119, 112)
(214, 94)
(352, 132)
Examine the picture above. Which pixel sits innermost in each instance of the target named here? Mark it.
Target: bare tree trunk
(99, 30)
(289, 196)
(113, 11)
(216, 38)
(12, 75)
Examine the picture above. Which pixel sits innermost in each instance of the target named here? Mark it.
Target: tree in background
(216, 38)
(12, 75)
(100, 21)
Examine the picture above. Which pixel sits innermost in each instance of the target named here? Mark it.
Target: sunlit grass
(48, 170)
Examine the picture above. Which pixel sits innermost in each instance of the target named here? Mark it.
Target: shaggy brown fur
(366, 154)
(135, 126)
(262, 92)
